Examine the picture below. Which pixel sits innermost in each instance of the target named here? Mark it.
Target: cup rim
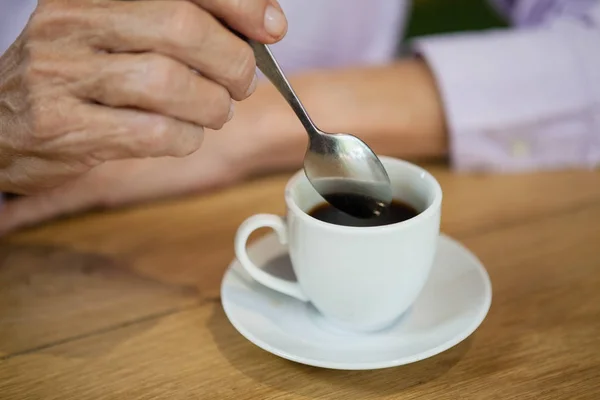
(432, 208)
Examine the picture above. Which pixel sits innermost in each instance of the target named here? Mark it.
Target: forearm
(395, 109)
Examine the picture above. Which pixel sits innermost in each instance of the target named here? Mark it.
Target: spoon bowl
(347, 174)
(340, 166)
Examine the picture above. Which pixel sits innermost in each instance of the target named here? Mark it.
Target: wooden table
(125, 305)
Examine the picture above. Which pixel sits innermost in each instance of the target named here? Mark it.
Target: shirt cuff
(514, 100)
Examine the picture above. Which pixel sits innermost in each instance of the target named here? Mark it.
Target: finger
(156, 83)
(183, 31)
(99, 133)
(261, 20)
(126, 133)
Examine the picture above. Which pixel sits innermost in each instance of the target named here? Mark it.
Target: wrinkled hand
(97, 80)
(126, 182)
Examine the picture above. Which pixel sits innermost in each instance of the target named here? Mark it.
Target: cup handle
(241, 238)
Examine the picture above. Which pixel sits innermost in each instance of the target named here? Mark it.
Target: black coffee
(355, 204)
(398, 211)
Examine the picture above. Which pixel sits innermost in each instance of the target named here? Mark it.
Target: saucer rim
(373, 365)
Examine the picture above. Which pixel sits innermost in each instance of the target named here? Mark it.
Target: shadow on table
(50, 295)
(268, 369)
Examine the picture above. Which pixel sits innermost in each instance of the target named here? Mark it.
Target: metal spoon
(341, 167)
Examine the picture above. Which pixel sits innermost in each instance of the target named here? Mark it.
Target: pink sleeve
(523, 99)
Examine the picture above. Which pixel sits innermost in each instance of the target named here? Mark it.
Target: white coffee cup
(359, 278)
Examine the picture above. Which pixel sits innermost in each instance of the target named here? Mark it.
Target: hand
(98, 80)
(237, 151)
(265, 136)
(220, 162)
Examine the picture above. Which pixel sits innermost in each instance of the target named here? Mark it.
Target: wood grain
(125, 304)
(50, 293)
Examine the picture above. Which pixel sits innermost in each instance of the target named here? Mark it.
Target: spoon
(341, 167)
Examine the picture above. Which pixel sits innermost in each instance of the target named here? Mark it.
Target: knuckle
(43, 97)
(235, 7)
(35, 70)
(36, 25)
(217, 109)
(190, 28)
(191, 142)
(43, 20)
(43, 124)
(156, 73)
(154, 142)
(242, 72)
(182, 21)
(53, 20)
(48, 120)
(147, 137)
(169, 138)
(242, 10)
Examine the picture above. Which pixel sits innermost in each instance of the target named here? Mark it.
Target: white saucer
(452, 305)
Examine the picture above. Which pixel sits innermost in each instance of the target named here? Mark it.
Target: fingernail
(231, 108)
(252, 86)
(275, 22)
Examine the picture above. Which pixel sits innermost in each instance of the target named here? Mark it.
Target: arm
(364, 101)
(527, 98)
(88, 83)
(504, 100)
(264, 135)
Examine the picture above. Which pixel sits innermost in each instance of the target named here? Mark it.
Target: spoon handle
(265, 61)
